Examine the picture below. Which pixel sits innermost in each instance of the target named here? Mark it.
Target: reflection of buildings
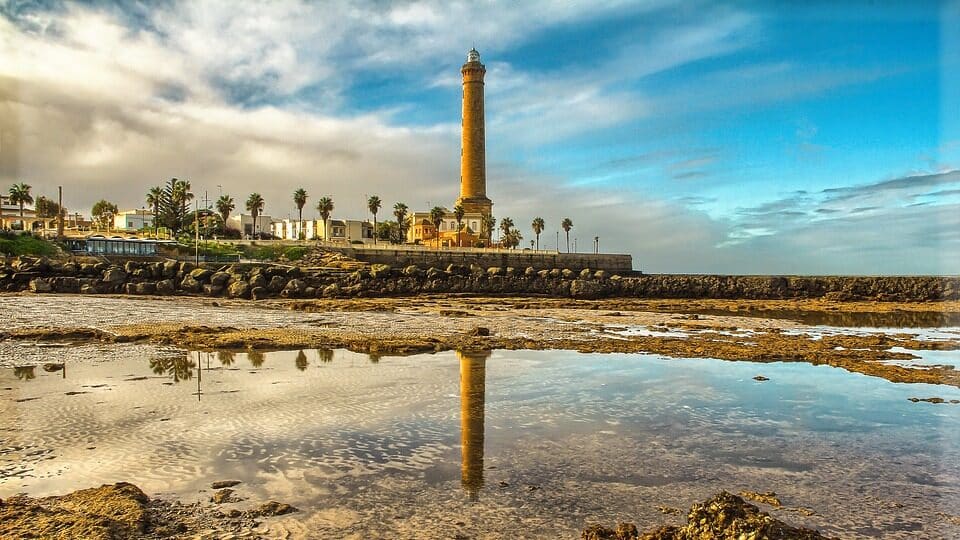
(473, 366)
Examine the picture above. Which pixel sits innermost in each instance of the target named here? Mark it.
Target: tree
(154, 199)
(20, 195)
(505, 225)
(538, 226)
(436, 217)
(173, 204)
(255, 205)
(325, 207)
(567, 224)
(224, 206)
(387, 230)
(46, 208)
(373, 205)
(103, 212)
(300, 199)
(487, 224)
(459, 212)
(511, 238)
(400, 212)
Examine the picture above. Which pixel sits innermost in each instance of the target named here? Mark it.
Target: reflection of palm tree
(473, 367)
(301, 361)
(225, 358)
(256, 358)
(326, 355)
(25, 373)
(180, 368)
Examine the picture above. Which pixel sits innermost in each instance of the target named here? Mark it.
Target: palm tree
(255, 206)
(459, 212)
(567, 224)
(538, 226)
(182, 195)
(400, 212)
(325, 207)
(224, 207)
(487, 224)
(20, 194)
(436, 217)
(300, 199)
(154, 198)
(103, 211)
(505, 225)
(373, 205)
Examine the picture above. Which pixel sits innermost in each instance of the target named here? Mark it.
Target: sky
(700, 137)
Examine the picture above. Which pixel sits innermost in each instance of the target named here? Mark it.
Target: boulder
(379, 271)
(146, 287)
(458, 269)
(555, 273)
(41, 285)
(494, 271)
(586, 273)
(331, 290)
(259, 293)
(239, 289)
(170, 269)
(476, 269)
(219, 279)
(567, 273)
(190, 284)
(114, 276)
(412, 271)
(166, 286)
(212, 290)
(530, 272)
(257, 280)
(201, 274)
(510, 271)
(434, 273)
(580, 288)
(131, 267)
(294, 289)
(600, 274)
(66, 285)
(276, 284)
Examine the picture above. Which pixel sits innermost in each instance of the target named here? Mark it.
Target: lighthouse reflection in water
(473, 366)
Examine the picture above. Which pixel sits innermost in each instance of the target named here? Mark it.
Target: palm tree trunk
(568, 241)
(374, 229)
(538, 241)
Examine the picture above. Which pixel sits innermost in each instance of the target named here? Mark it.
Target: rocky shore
(357, 280)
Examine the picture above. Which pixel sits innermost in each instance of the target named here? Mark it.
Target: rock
(51, 367)
(213, 290)
(114, 276)
(530, 272)
(767, 497)
(129, 288)
(480, 331)
(723, 517)
(219, 278)
(166, 287)
(257, 280)
(510, 271)
(586, 273)
(458, 270)
(220, 484)
(476, 269)
(566, 273)
(543, 274)
(760, 378)
(239, 289)
(600, 274)
(379, 271)
(130, 267)
(276, 284)
(41, 285)
(294, 272)
(224, 496)
(494, 271)
(295, 288)
(412, 271)
(585, 289)
(145, 288)
(190, 284)
(259, 293)
(66, 284)
(274, 508)
(434, 273)
(170, 269)
(331, 290)
(201, 274)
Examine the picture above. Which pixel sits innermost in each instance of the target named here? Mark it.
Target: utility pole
(196, 228)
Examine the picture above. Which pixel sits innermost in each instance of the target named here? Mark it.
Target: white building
(337, 230)
(133, 220)
(248, 227)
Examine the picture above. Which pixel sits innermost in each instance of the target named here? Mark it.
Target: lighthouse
(473, 166)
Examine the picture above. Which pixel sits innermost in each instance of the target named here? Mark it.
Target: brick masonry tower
(473, 166)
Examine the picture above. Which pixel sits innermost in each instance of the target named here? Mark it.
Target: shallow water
(504, 444)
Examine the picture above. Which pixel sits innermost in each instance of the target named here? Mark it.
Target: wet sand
(756, 331)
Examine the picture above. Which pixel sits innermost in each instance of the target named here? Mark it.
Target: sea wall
(401, 256)
(265, 281)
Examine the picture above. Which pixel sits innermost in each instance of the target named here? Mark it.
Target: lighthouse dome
(473, 56)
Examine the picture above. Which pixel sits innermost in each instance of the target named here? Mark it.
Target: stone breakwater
(258, 281)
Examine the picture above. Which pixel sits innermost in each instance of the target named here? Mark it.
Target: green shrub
(295, 253)
(25, 244)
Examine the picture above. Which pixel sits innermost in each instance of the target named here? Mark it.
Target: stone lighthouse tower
(473, 166)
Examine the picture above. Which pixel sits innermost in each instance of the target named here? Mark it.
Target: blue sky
(698, 136)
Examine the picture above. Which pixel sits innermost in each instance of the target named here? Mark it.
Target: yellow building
(422, 230)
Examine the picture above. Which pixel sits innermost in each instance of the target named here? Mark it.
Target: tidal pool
(489, 444)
